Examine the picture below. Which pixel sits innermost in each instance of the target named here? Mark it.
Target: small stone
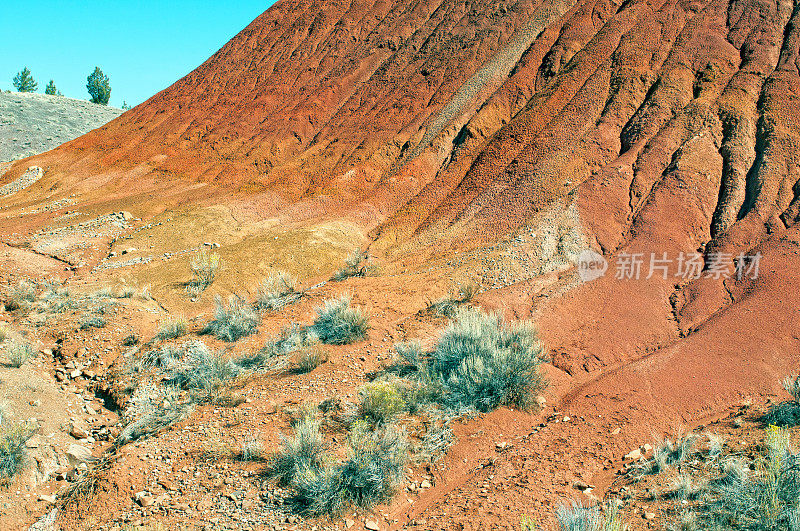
(144, 499)
(649, 516)
(616, 431)
(502, 445)
(349, 522)
(634, 455)
(372, 525)
(425, 484)
(541, 401)
(78, 430)
(579, 485)
(77, 454)
(47, 498)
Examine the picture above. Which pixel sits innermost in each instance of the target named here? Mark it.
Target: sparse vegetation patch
(236, 321)
(204, 267)
(276, 292)
(18, 353)
(13, 438)
(338, 323)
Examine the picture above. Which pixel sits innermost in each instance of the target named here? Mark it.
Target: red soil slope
(447, 127)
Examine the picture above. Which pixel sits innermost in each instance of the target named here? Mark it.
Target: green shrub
(766, 500)
(171, 329)
(375, 464)
(236, 321)
(380, 402)
(19, 353)
(666, 454)
(309, 358)
(12, 449)
(51, 89)
(369, 475)
(91, 321)
(438, 438)
(304, 451)
(201, 371)
(786, 413)
(482, 362)
(273, 355)
(251, 448)
(337, 323)
(276, 292)
(204, 267)
(21, 297)
(56, 300)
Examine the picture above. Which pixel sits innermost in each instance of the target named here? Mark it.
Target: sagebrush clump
(448, 306)
(380, 403)
(369, 474)
(786, 413)
(204, 267)
(171, 329)
(276, 292)
(201, 371)
(236, 321)
(13, 439)
(578, 517)
(151, 409)
(482, 362)
(338, 323)
(18, 353)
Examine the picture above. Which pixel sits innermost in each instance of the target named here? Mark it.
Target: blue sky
(143, 46)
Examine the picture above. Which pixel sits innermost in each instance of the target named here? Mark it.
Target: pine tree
(98, 86)
(24, 81)
(51, 88)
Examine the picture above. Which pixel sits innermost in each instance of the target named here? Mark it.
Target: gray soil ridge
(34, 123)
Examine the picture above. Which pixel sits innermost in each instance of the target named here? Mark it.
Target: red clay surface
(637, 127)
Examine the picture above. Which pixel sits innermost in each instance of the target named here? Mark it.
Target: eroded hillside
(485, 142)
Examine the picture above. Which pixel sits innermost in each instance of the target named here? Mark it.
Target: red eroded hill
(501, 140)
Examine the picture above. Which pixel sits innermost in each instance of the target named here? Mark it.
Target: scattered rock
(634, 455)
(649, 516)
(425, 484)
(78, 430)
(47, 498)
(78, 454)
(144, 499)
(372, 525)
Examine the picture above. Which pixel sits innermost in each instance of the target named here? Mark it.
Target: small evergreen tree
(51, 88)
(125, 106)
(24, 81)
(98, 86)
